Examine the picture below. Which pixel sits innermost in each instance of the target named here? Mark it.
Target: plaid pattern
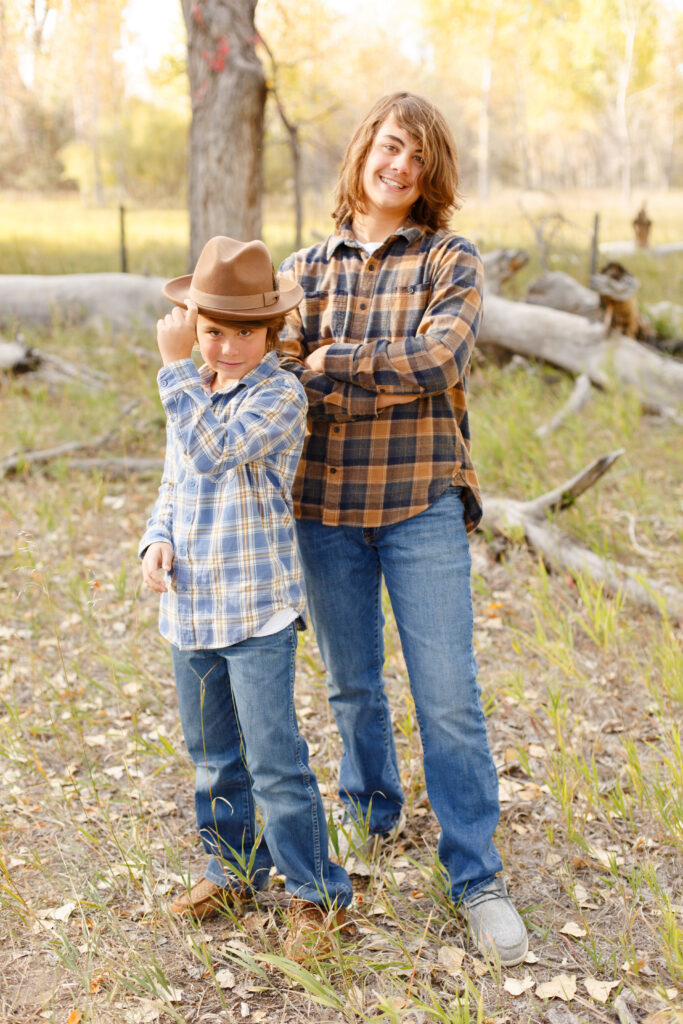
(225, 502)
(408, 316)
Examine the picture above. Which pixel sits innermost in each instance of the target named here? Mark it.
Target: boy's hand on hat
(177, 333)
(157, 561)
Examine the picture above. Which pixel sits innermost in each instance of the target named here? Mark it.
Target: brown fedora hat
(235, 281)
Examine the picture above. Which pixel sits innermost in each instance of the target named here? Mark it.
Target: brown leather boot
(206, 899)
(311, 930)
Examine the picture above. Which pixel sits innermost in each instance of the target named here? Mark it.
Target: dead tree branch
(505, 516)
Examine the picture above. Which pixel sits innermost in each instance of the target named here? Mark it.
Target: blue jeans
(425, 561)
(237, 713)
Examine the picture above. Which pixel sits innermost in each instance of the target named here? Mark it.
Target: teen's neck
(375, 227)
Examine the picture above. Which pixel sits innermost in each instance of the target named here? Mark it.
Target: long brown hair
(439, 196)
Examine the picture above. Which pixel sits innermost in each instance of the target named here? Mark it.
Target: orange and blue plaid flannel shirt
(400, 321)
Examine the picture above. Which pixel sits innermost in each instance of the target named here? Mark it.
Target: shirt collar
(261, 372)
(409, 230)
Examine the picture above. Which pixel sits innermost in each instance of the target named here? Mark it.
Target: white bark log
(578, 346)
(505, 516)
(560, 291)
(99, 301)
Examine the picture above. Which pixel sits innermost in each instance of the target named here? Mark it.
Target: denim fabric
(239, 722)
(425, 561)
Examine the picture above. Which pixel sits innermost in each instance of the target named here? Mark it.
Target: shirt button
(371, 266)
(363, 305)
(333, 470)
(336, 430)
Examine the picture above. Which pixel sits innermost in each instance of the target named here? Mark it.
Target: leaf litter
(98, 822)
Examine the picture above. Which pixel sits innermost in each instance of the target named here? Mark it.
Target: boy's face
(230, 350)
(393, 166)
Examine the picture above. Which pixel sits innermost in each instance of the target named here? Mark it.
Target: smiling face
(230, 350)
(391, 175)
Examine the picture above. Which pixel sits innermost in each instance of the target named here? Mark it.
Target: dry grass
(584, 696)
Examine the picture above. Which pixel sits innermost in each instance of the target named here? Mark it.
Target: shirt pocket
(327, 317)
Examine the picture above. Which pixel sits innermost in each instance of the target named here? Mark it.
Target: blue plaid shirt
(225, 502)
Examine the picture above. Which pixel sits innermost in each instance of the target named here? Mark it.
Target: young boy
(219, 548)
(386, 488)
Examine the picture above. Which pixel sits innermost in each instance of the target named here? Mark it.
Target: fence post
(122, 222)
(594, 244)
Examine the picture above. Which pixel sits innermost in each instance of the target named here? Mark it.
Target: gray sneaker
(495, 925)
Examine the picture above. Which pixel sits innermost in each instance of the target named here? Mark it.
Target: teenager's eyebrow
(399, 140)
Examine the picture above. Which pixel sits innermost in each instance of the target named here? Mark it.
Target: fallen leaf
(580, 894)
(494, 609)
(225, 978)
(635, 966)
(530, 958)
(517, 987)
(536, 750)
(480, 968)
(62, 913)
(244, 1009)
(574, 929)
(660, 1017)
(599, 990)
(451, 958)
(147, 1012)
(75, 1017)
(562, 986)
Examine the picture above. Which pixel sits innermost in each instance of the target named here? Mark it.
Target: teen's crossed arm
(436, 356)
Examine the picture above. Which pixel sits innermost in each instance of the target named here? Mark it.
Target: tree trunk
(228, 93)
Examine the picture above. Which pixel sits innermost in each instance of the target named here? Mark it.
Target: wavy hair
(439, 196)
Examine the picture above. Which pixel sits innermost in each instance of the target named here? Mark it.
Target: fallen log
(98, 301)
(18, 358)
(37, 457)
(576, 345)
(506, 517)
(631, 249)
(500, 265)
(561, 291)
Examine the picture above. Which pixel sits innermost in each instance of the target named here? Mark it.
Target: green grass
(60, 235)
(583, 695)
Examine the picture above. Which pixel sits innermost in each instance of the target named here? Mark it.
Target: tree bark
(579, 346)
(228, 92)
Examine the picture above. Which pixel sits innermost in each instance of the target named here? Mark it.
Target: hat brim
(291, 294)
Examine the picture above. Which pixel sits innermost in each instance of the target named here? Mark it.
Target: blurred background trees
(542, 94)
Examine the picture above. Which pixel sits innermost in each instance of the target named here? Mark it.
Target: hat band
(231, 302)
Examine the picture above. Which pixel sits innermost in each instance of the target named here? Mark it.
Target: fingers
(192, 313)
(157, 561)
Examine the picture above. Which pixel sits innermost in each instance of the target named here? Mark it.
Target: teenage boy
(219, 548)
(382, 342)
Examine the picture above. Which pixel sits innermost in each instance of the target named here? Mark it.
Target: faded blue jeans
(425, 562)
(239, 722)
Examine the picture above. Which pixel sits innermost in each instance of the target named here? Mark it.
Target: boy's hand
(158, 560)
(177, 333)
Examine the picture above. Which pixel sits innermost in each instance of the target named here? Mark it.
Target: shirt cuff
(177, 376)
(153, 537)
(340, 358)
